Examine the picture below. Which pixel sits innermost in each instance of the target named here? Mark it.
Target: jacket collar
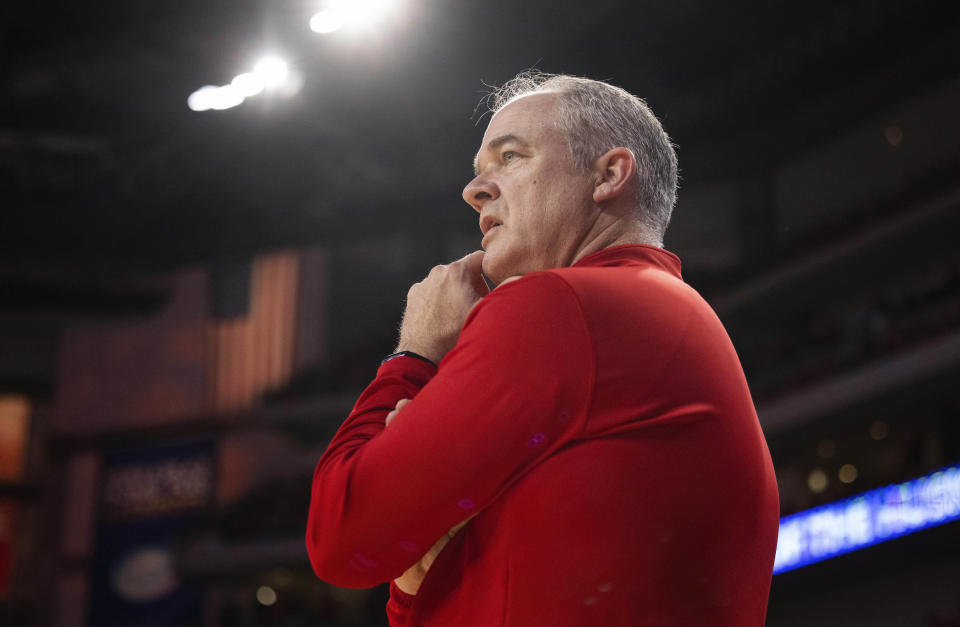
(633, 255)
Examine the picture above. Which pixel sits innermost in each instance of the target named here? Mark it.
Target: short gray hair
(596, 117)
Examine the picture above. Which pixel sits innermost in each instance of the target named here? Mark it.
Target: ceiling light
(351, 14)
(271, 70)
(327, 21)
(248, 84)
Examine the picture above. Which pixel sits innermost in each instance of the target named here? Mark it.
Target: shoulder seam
(591, 388)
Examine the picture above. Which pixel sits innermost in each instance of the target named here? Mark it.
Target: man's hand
(411, 579)
(438, 306)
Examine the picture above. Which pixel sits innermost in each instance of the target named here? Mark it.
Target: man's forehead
(521, 120)
(523, 106)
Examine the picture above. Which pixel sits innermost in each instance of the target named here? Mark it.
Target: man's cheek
(498, 260)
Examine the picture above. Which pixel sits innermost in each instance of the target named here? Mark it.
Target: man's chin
(493, 268)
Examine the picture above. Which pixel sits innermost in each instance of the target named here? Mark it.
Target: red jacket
(597, 420)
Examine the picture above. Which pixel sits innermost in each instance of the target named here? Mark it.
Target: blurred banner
(8, 513)
(866, 519)
(147, 497)
(14, 436)
(224, 338)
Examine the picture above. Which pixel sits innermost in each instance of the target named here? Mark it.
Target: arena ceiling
(102, 164)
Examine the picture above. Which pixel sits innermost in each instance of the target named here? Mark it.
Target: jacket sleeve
(515, 388)
(398, 606)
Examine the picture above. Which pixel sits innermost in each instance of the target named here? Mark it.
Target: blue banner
(147, 498)
(876, 516)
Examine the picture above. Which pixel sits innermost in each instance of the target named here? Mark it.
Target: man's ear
(615, 169)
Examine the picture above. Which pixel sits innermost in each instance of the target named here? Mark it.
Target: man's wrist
(407, 353)
(407, 588)
(424, 352)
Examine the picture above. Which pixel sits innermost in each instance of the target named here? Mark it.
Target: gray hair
(596, 117)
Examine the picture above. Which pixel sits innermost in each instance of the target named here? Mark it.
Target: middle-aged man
(580, 447)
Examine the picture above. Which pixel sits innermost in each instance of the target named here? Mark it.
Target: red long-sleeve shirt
(598, 422)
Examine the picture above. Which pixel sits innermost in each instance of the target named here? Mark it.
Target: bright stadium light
(272, 71)
(368, 11)
(248, 84)
(291, 86)
(225, 97)
(202, 99)
(216, 98)
(327, 21)
(351, 14)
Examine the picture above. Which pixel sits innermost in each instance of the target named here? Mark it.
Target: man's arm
(515, 388)
(409, 582)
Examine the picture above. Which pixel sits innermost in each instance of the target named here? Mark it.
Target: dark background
(818, 213)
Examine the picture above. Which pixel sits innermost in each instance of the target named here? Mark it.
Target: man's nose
(480, 190)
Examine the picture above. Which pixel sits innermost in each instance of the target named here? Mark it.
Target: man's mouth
(487, 235)
(488, 223)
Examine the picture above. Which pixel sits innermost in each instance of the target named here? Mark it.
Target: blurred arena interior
(192, 294)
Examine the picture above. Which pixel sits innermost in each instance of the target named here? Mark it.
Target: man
(580, 447)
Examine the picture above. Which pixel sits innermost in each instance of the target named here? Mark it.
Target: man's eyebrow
(493, 144)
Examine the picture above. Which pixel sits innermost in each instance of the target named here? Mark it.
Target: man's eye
(509, 156)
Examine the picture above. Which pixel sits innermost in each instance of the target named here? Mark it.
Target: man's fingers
(393, 413)
(473, 265)
(474, 260)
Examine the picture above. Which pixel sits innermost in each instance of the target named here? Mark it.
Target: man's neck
(613, 234)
